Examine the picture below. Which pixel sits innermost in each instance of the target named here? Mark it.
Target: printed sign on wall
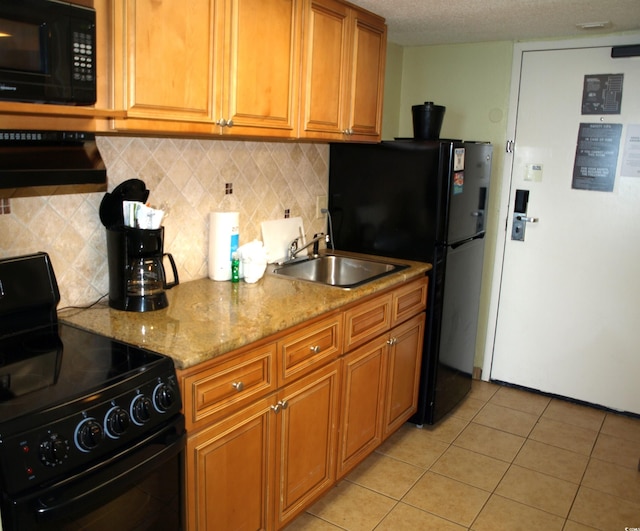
(596, 157)
(631, 153)
(602, 94)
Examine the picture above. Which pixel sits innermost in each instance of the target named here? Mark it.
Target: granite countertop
(207, 318)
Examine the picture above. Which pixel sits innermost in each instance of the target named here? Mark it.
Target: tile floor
(504, 459)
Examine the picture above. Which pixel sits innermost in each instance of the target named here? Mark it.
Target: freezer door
(470, 173)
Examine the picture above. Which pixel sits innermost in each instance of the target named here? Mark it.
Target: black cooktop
(58, 363)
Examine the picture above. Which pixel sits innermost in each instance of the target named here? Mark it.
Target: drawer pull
(315, 349)
(283, 404)
(238, 386)
(276, 408)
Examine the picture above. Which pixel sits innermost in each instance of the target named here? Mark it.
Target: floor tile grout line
(511, 463)
(528, 436)
(452, 443)
(466, 422)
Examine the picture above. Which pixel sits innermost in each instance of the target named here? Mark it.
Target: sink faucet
(294, 250)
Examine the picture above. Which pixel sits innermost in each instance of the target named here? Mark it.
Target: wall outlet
(321, 203)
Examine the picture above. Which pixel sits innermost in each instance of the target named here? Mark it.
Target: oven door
(139, 489)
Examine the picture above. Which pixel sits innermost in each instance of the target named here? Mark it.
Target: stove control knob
(163, 397)
(54, 450)
(89, 434)
(116, 422)
(140, 409)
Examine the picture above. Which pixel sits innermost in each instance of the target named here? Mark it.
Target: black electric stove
(72, 403)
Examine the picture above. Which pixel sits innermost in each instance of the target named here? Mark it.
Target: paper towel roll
(223, 242)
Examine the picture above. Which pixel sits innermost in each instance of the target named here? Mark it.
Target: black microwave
(47, 52)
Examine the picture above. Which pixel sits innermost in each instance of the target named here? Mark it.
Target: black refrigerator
(424, 201)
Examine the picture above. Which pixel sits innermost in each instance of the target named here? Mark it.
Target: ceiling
(427, 22)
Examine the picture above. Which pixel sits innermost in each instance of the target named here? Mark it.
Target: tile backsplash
(192, 177)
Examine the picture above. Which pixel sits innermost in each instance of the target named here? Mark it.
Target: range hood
(49, 158)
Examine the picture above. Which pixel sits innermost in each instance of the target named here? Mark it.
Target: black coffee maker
(137, 278)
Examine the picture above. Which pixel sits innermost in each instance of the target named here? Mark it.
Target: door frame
(505, 184)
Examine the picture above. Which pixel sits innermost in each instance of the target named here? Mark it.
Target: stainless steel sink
(340, 271)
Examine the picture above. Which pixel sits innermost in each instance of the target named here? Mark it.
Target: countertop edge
(206, 318)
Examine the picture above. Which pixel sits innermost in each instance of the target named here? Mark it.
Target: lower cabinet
(379, 390)
(229, 471)
(260, 467)
(403, 373)
(363, 377)
(307, 426)
(262, 449)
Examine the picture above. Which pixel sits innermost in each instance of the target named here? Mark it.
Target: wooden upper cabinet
(163, 60)
(258, 56)
(344, 53)
(324, 69)
(226, 67)
(369, 55)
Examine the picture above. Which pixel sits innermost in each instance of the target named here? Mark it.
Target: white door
(568, 316)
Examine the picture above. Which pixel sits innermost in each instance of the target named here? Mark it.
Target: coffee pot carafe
(137, 277)
(145, 277)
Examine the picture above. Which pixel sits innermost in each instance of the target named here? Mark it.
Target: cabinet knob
(392, 341)
(315, 349)
(238, 386)
(224, 123)
(282, 404)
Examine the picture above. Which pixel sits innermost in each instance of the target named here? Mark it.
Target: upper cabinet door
(344, 54)
(163, 59)
(325, 69)
(259, 56)
(367, 77)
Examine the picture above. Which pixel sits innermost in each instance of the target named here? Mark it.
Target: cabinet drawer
(366, 321)
(303, 351)
(228, 385)
(409, 300)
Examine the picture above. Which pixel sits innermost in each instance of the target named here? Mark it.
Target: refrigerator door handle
(478, 236)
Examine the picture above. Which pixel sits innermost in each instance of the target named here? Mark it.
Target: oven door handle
(100, 487)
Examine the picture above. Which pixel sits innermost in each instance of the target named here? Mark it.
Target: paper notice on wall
(596, 157)
(631, 152)
(602, 93)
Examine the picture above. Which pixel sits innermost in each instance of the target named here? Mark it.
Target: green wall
(392, 91)
(473, 82)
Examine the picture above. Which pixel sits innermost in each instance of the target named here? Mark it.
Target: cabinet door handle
(282, 404)
(315, 349)
(238, 386)
(224, 123)
(392, 341)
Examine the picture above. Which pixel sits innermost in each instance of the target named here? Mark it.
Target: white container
(223, 242)
(253, 261)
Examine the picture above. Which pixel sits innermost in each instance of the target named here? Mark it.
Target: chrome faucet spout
(294, 250)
